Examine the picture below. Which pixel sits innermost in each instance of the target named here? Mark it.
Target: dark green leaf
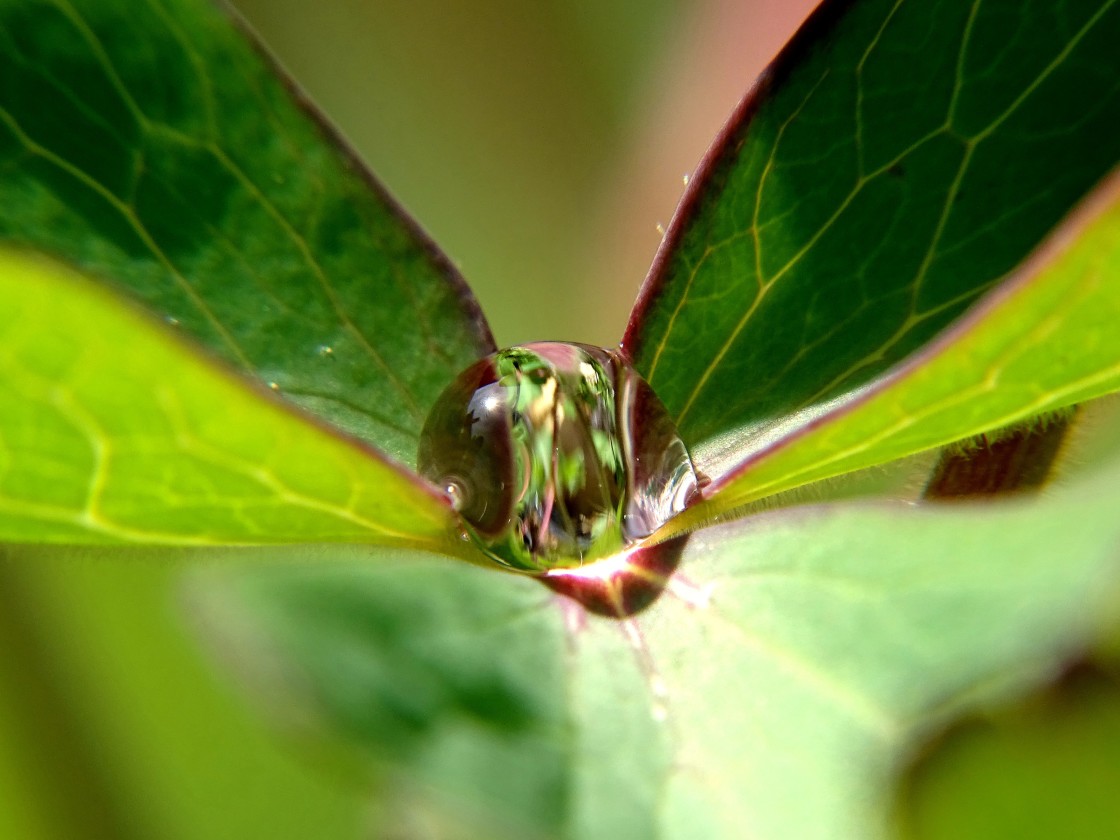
(896, 161)
(154, 145)
(1044, 340)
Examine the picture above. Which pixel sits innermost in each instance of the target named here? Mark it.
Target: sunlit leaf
(1046, 339)
(112, 430)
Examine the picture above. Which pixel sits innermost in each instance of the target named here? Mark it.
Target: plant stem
(1017, 460)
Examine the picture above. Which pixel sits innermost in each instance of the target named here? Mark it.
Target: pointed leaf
(772, 693)
(1044, 340)
(112, 430)
(896, 161)
(154, 144)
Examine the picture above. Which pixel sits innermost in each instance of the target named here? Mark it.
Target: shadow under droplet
(620, 587)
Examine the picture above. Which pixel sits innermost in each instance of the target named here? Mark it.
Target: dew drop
(556, 455)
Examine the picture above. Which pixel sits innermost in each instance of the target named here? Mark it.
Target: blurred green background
(540, 144)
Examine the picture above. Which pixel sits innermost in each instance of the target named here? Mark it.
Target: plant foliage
(218, 329)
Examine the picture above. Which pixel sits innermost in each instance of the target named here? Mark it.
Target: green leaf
(112, 430)
(897, 161)
(451, 677)
(153, 144)
(773, 691)
(1044, 340)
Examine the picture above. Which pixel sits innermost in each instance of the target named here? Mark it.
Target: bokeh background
(541, 144)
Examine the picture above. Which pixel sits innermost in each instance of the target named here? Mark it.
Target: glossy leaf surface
(897, 161)
(111, 430)
(776, 685)
(1045, 340)
(154, 145)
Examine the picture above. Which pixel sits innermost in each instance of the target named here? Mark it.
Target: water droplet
(560, 455)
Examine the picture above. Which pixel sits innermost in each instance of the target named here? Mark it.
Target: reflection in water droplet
(556, 455)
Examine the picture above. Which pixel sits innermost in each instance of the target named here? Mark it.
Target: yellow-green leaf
(113, 430)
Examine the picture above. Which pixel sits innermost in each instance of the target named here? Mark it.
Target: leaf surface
(896, 162)
(1046, 339)
(154, 145)
(113, 430)
(771, 693)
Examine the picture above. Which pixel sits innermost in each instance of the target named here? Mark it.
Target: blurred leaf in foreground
(775, 687)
